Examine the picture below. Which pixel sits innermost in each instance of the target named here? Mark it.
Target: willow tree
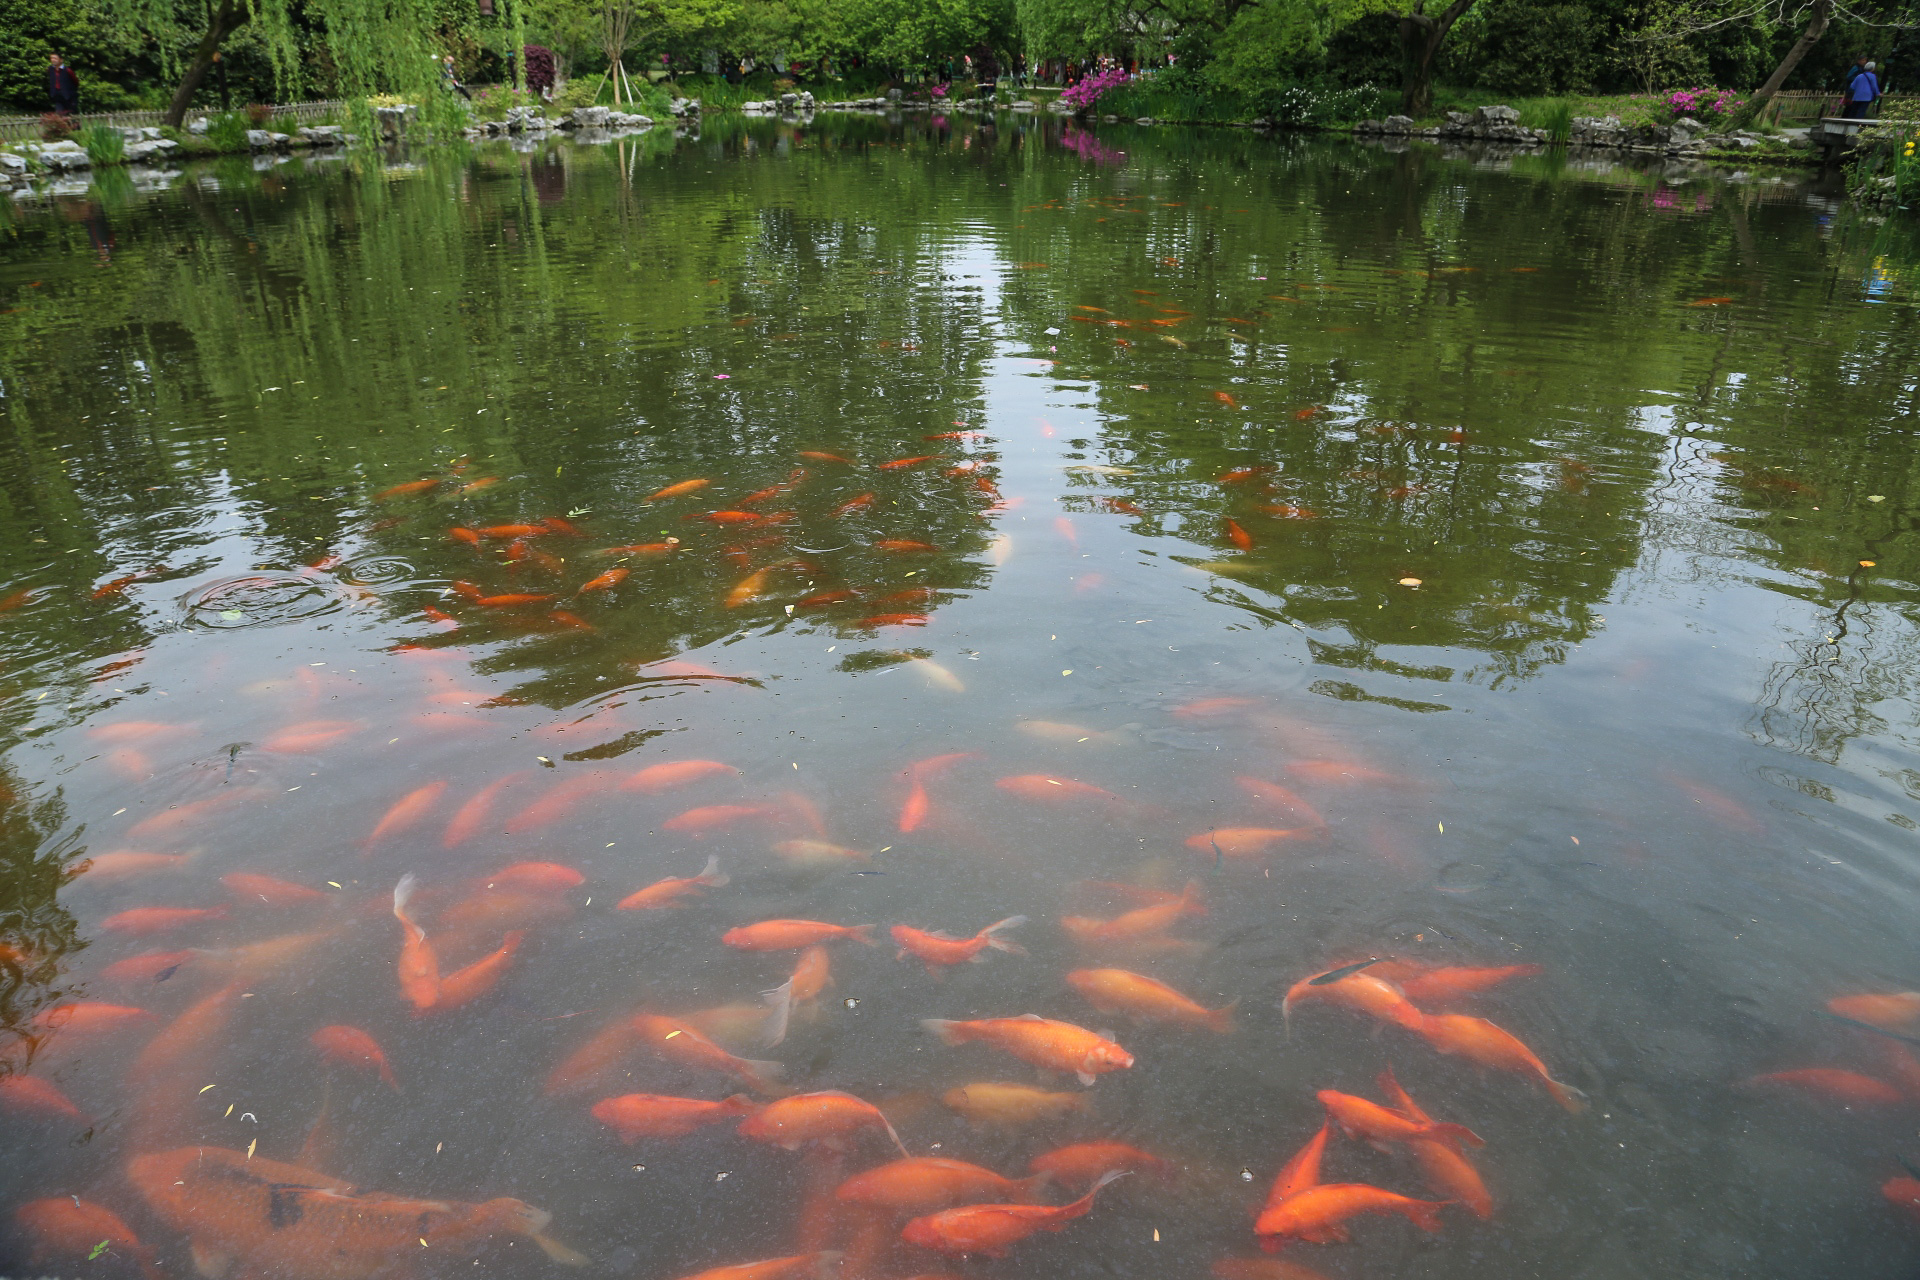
(375, 46)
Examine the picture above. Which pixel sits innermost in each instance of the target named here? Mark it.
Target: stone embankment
(1684, 137)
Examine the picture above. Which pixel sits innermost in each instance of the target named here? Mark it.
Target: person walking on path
(1862, 90)
(63, 87)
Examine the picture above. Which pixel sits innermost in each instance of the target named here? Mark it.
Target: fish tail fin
(403, 894)
(386, 1075)
(826, 1264)
(1085, 1202)
(779, 1013)
(511, 942)
(1426, 1213)
(558, 1252)
(710, 875)
(898, 1145)
(1221, 1019)
(1192, 900)
(1027, 1190)
(765, 1074)
(1455, 1135)
(946, 1028)
(1567, 1096)
(863, 933)
(992, 934)
(739, 1104)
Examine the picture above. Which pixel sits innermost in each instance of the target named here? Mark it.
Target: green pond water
(1448, 559)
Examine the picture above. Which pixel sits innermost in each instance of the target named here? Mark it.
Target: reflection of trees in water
(37, 934)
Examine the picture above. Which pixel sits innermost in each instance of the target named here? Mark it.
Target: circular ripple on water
(260, 600)
(377, 571)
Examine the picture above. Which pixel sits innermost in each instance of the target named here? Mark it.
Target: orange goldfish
(1903, 1194)
(407, 812)
(464, 986)
(87, 1018)
(1355, 989)
(717, 817)
(1370, 1121)
(1447, 1171)
(277, 1219)
(650, 1115)
(1247, 842)
(1850, 1087)
(310, 735)
(604, 582)
(174, 818)
(819, 853)
(1039, 786)
(851, 505)
(1012, 1105)
(461, 534)
(506, 532)
(748, 589)
(818, 456)
(540, 877)
(109, 868)
(513, 600)
(251, 887)
(900, 464)
(730, 517)
(352, 1047)
(791, 935)
(401, 490)
(1142, 922)
(1262, 1269)
(827, 1117)
(1274, 794)
(598, 1054)
(140, 921)
(1487, 1045)
(1237, 536)
(1443, 984)
(149, 966)
(669, 892)
(67, 1229)
(1891, 1011)
(642, 549)
(656, 778)
(992, 1229)
(675, 1041)
(820, 1265)
(938, 949)
(1316, 1214)
(30, 1095)
(812, 974)
(676, 490)
(1081, 1164)
(1049, 1045)
(880, 620)
(904, 545)
(468, 820)
(1118, 991)
(419, 967)
(1302, 1169)
(557, 801)
(926, 1184)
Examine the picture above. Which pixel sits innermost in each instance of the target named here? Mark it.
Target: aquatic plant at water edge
(228, 130)
(104, 143)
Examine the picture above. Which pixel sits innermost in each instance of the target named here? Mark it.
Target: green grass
(104, 144)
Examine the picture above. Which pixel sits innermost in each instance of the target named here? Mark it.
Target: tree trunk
(1420, 39)
(223, 22)
(1816, 27)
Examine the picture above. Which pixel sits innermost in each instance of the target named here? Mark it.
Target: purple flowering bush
(1089, 89)
(1702, 104)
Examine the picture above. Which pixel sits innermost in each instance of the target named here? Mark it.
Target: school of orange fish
(874, 1207)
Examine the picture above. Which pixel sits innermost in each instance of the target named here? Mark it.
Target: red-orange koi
(1483, 1043)
(676, 490)
(937, 949)
(86, 1018)
(149, 966)
(672, 774)
(1447, 1171)
(471, 817)
(419, 967)
(605, 582)
(851, 505)
(1359, 990)
(407, 812)
(352, 1047)
(557, 801)
(992, 1229)
(1081, 1164)
(662, 894)
(821, 599)
(650, 1115)
(827, 1117)
(791, 935)
(1237, 536)
(1040, 786)
(899, 464)
(310, 735)
(717, 817)
(461, 534)
(903, 545)
(463, 986)
(402, 490)
(140, 921)
(1371, 1122)
(879, 620)
(69, 1230)
(1849, 1087)
(1316, 1214)
(272, 891)
(506, 532)
(642, 549)
(30, 1095)
(1442, 984)
(675, 1041)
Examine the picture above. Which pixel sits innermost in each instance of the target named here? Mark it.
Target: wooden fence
(27, 128)
(1801, 105)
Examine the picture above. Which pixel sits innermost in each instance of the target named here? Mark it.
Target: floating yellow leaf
(1409, 582)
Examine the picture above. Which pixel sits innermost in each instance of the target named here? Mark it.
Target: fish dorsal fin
(1029, 1017)
(943, 935)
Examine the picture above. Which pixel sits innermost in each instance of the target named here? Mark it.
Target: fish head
(1107, 1056)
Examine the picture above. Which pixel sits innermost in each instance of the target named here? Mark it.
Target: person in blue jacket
(1863, 89)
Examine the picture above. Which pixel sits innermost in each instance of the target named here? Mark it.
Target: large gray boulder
(147, 149)
(588, 118)
(1496, 115)
(65, 155)
(1397, 124)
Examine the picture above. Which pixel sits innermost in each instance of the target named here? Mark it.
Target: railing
(27, 128)
(1802, 104)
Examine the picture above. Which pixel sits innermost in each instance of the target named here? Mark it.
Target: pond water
(1445, 561)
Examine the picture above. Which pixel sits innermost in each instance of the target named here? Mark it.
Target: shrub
(1089, 89)
(1555, 116)
(259, 114)
(104, 143)
(227, 130)
(55, 127)
(1703, 104)
(1313, 108)
(539, 68)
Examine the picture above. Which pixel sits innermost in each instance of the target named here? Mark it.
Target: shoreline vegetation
(1533, 124)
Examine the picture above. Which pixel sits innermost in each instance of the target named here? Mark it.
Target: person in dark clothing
(450, 79)
(63, 87)
(1862, 90)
